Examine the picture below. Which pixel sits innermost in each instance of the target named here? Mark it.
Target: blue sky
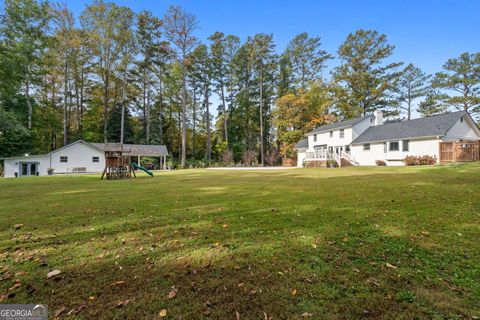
(425, 33)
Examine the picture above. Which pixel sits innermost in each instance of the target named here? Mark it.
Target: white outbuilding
(77, 157)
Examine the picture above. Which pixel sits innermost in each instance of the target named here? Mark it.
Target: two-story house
(364, 140)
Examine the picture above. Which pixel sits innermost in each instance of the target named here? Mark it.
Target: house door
(338, 150)
(28, 169)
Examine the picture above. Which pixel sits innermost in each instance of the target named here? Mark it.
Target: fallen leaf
(123, 303)
(91, 298)
(18, 226)
(53, 273)
(391, 266)
(59, 311)
(163, 313)
(237, 315)
(118, 283)
(15, 286)
(225, 226)
(307, 315)
(172, 294)
(294, 292)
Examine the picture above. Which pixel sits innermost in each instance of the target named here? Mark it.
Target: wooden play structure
(117, 163)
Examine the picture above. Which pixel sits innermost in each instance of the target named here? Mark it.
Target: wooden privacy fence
(459, 151)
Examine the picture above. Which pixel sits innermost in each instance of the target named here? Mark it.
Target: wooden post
(138, 157)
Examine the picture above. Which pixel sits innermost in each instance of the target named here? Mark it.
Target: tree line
(115, 75)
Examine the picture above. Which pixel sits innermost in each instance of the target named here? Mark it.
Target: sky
(424, 32)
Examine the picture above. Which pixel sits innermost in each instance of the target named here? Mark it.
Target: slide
(136, 166)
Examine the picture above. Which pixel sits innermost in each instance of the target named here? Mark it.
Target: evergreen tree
(460, 80)
(412, 84)
(365, 81)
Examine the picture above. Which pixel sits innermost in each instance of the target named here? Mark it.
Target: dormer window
(315, 138)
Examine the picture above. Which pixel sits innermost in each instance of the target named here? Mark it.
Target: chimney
(378, 114)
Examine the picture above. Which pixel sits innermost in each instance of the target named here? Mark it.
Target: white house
(77, 157)
(364, 140)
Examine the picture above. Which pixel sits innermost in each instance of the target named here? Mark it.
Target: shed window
(314, 137)
(63, 159)
(394, 146)
(405, 144)
(366, 146)
(95, 159)
(342, 133)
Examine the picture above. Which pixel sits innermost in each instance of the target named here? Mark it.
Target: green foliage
(412, 84)
(364, 82)
(14, 137)
(460, 79)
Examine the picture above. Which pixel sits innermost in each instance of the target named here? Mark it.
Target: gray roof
(431, 126)
(339, 125)
(302, 144)
(153, 150)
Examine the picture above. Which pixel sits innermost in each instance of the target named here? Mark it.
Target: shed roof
(431, 126)
(153, 150)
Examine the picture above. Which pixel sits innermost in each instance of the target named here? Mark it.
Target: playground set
(119, 164)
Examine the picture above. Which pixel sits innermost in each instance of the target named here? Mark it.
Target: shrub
(380, 163)
(227, 157)
(419, 160)
(272, 158)
(249, 158)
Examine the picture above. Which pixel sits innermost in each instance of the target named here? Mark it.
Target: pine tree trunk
(105, 107)
(65, 104)
(261, 117)
(225, 118)
(183, 160)
(29, 104)
(207, 122)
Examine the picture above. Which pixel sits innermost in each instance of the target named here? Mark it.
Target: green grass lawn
(350, 243)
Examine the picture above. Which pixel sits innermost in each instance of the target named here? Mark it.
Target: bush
(227, 157)
(380, 163)
(419, 160)
(272, 158)
(250, 158)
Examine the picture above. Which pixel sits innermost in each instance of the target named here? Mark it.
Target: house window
(63, 159)
(342, 133)
(95, 159)
(314, 137)
(366, 146)
(331, 134)
(405, 145)
(461, 119)
(394, 146)
(385, 147)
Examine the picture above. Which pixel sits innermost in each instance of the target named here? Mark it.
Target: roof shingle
(431, 126)
(339, 125)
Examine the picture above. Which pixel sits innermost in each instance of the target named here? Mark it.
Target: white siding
(324, 138)
(418, 147)
(11, 165)
(79, 156)
(361, 126)
(461, 130)
(300, 158)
